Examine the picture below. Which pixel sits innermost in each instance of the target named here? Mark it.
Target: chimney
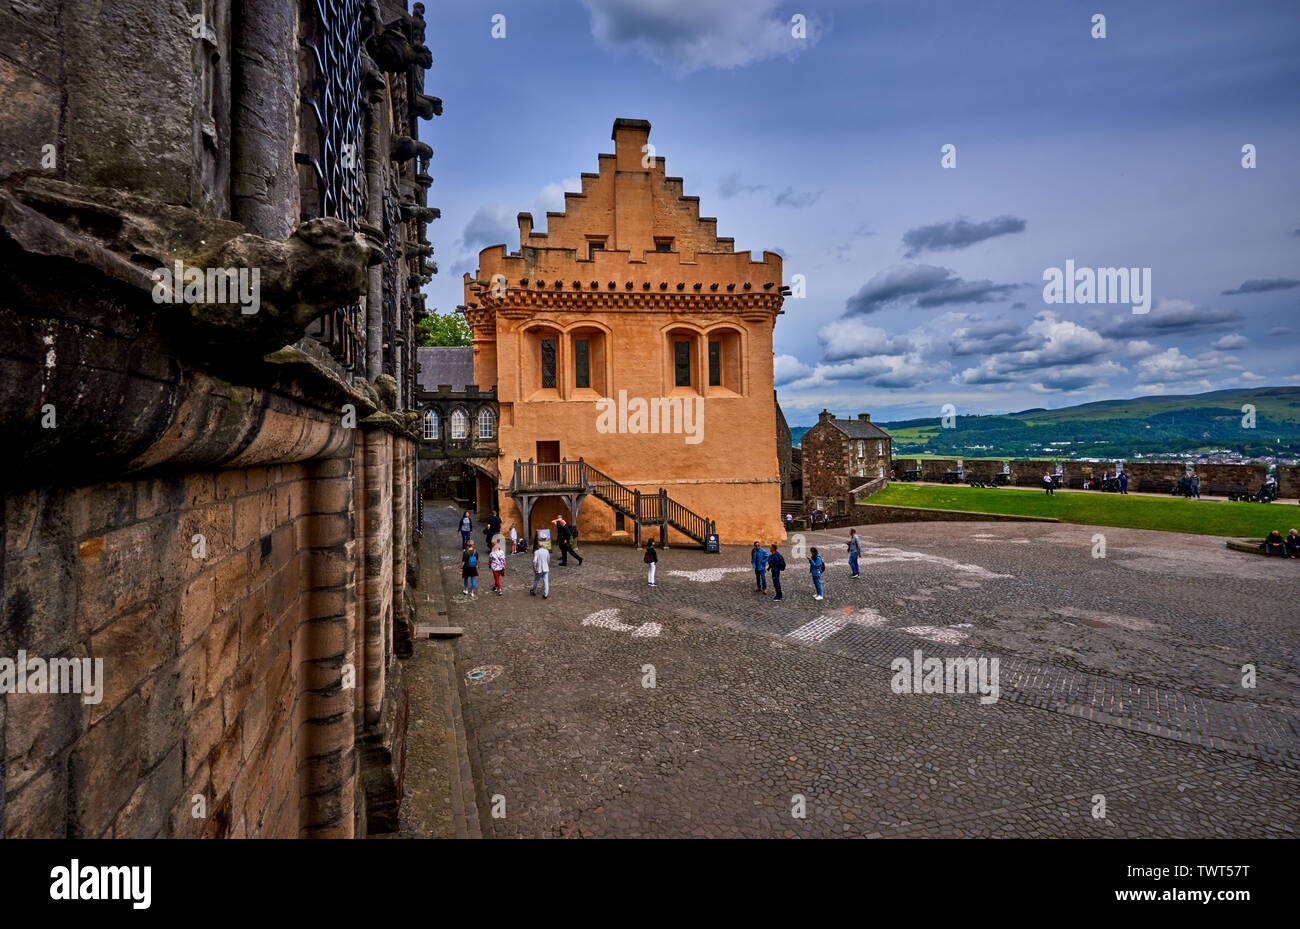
(825, 416)
(525, 227)
(630, 137)
(864, 417)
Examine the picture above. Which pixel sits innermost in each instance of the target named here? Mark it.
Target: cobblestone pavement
(1120, 683)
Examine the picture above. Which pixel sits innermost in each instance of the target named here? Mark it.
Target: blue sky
(924, 284)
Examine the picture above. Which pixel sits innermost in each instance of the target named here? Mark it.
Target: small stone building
(839, 455)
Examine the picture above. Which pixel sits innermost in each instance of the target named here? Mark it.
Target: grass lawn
(1173, 514)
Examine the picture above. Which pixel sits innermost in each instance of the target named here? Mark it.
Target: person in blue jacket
(758, 558)
(855, 551)
(815, 567)
(776, 564)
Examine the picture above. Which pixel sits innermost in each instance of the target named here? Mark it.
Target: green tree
(443, 329)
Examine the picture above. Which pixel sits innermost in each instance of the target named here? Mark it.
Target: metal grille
(331, 180)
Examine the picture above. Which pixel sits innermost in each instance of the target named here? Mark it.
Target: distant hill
(1116, 428)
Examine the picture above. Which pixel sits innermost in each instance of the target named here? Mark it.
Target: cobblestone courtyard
(1120, 679)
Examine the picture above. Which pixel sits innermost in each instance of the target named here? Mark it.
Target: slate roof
(452, 365)
(859, 429)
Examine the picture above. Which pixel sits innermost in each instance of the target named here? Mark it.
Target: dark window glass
(715, 364)
(593, 247)
(548, 363)
(581, 363)
(682, 363)
(663, 245)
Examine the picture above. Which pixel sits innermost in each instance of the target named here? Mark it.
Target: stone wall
(868, 513)
(222, 604)
(1288, 481)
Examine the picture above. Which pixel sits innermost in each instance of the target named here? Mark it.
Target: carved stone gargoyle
(204, 279)
(425, 106)
(404, 148)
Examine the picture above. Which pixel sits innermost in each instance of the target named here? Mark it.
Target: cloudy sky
(924, 284)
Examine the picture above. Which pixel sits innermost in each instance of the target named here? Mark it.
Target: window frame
(490, 432)
(429, 429)
(554, 344)
(464, 416)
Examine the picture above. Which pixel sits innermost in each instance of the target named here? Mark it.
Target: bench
(1231, 491)
(1156, 487)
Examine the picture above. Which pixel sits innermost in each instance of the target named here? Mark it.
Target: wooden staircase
(575, 480)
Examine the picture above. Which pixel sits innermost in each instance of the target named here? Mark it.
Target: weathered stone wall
(868, 513)
(224, 675)
(1288, 481)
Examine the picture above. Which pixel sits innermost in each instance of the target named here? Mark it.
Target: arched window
(459, 424)
(485, 424)
(430, 424)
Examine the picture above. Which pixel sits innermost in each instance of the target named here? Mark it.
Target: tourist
(815, 567)
(1293, 544)
(541, 571)
(1123, 482)
(469, 570)
(855, 550)
(493, 528)
(497, 561)
(758, 558)
(1195, 482)
(1274, 544)
(466, 527)
(776, 564)
(1047, 484)
(652, 559)
(514, 541)
(564, 533)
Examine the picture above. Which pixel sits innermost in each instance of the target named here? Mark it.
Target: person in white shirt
(541, 571)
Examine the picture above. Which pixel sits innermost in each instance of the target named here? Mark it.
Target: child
(815, 567)
(652, 559)
(469, 570)
(497, 560)
(514, 541)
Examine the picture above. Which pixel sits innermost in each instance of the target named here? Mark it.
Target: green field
(1173, 514)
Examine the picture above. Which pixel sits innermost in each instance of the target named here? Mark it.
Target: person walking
(1123, 482)
(652, 559)
(565, 532)
(1047, 484)
(815, 567)
(758, 559)
(493, 527)
(776, 564)
(855, 551)
(466, 527)
(469, 570)
(541, 571)
(497, 561)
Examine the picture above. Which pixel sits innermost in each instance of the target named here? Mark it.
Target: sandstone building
(632, 337)
(840, 455)
(211, 485)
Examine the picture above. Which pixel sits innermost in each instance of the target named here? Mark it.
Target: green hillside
(1118, 428)
(1114, 428)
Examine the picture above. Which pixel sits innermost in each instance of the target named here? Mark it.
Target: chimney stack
(825, 416)
(630, 137)
(864, 417)
(525, 227)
